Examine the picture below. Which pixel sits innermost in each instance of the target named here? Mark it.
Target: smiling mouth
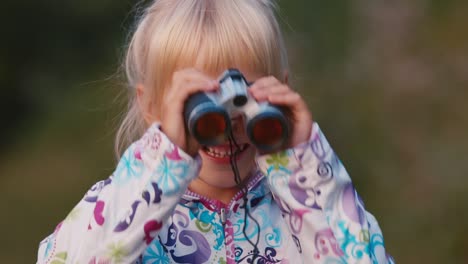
(225, 151)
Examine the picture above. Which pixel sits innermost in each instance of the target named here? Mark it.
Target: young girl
(171, 200)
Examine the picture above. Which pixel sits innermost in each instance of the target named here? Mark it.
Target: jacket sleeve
(321, 207)
(119, 216)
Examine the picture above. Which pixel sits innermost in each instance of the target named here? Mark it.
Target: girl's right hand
(184, 83)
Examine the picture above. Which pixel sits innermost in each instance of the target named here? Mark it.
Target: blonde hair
(171, 34)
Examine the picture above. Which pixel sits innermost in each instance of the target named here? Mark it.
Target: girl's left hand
(272, 90)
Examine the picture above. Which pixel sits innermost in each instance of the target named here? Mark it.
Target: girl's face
(216, 169)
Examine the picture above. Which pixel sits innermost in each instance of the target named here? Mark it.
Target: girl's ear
(144, 104)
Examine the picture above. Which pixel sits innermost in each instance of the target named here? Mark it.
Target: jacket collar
(256, 188)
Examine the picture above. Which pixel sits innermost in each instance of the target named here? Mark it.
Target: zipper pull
(222, 216)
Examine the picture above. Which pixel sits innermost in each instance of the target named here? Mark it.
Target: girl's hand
(277, 93)
(184, 83)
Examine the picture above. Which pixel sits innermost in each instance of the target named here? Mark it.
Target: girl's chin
(217, 170)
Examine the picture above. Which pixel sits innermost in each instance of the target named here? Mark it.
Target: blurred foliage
(387, 81)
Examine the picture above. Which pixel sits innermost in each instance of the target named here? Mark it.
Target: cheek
(247, 162)
(251, 152)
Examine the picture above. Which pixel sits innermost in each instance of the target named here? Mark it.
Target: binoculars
(208, 115)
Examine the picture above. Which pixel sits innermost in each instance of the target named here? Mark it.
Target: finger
(187, 82)
(181, 78)
(291, 99)
(175, 99)
(182, 90)
(278, 88)
(264, 83)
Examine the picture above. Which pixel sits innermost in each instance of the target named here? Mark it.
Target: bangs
(219, 34)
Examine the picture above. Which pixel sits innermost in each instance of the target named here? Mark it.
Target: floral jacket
(302, 208)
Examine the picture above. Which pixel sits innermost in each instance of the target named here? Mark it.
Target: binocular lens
(211, 126)
(208, 115)
(268, 131)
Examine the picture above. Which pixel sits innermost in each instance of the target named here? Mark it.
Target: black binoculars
(208, 115)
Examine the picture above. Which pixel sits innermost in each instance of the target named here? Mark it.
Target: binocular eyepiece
(208, 115)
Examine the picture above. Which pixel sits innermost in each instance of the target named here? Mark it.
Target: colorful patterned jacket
(302, 208)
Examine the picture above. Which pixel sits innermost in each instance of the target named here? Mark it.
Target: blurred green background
(386, 80)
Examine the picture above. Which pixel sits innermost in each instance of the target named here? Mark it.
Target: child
(171, 200)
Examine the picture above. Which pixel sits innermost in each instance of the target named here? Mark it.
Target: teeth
(217, 154)
(222, 154)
